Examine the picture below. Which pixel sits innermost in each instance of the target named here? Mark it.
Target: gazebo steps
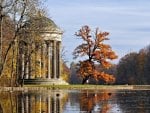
(40, 81)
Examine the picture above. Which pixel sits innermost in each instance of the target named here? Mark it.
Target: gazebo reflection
(40, 102)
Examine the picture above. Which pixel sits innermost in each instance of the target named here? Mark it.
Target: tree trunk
(85, 79)
(12, 67)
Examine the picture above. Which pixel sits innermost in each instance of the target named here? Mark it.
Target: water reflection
(112, 101)
(89, 100)
(76, 101)
(134, 101)
(31, 102)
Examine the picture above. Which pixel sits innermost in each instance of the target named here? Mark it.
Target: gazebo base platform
(40, 81)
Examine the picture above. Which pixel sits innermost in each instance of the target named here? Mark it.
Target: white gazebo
(43, 66)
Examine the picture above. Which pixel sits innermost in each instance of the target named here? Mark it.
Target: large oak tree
(96, 53)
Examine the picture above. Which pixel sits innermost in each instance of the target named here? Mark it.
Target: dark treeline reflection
(75, 101)
(134, 101)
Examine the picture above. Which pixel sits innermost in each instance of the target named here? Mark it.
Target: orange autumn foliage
(95, 51)
(89, 100)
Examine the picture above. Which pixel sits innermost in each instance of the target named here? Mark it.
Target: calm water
(76, 101)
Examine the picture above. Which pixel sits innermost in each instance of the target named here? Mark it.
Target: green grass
(79, 86)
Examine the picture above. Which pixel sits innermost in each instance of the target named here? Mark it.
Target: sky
(127, 21)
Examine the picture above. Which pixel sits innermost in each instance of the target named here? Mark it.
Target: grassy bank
(77, 87)
(80, 87)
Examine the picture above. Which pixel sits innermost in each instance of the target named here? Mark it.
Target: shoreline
(76, 87)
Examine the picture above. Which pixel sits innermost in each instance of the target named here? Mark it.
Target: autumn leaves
(96, 53)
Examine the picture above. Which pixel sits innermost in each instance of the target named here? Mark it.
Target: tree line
(132, 69)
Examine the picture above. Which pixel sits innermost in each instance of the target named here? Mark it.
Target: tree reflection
(89, 102)
(41, 102)
(77, 101)
(32, 102)
(8, 102)
(1, 109)
(134, 101)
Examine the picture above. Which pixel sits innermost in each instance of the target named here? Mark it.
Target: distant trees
(134, 68)
(95, 52)
(147, 65)
(65, 71)
(74, 79)
(126, 69)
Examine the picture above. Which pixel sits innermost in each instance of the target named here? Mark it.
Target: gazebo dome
(47, 23)
(43, 23)
(48, 29)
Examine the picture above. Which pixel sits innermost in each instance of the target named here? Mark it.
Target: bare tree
(19, 11)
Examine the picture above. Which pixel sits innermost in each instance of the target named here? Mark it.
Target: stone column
(30, 62)
(40, 60)
(30, 68)
(54, 59)
(59, 60)
(22, 66)
(27, 71)
(35, 59)
(26, 66)
(43, 59)
(49, 59)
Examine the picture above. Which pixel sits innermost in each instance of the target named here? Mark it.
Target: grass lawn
(79, 86)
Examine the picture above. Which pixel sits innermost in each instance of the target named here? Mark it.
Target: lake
(75, 101)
